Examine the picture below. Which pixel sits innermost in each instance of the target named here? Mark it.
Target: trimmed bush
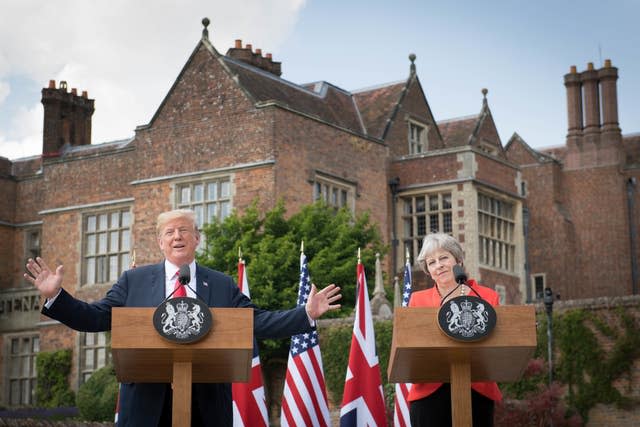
(96, 399)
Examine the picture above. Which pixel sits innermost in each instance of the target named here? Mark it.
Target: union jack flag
(401, 406)
(249, 403)
(363, 398)
(304, 399)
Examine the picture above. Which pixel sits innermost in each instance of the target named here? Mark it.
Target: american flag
(401, 406)
(363, 398)
(304, 399)
(249, 404)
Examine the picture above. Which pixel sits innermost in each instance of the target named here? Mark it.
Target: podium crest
(467, 318)
(182, 320)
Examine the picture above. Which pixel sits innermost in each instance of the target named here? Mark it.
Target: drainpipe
(633, 234)
(393, 186)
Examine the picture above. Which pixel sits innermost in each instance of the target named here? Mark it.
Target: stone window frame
(421, 144)
(333, 191)
(32, 245)
(418, 217)
(534, 282)
(26, 372)
(107, 255)
(209, 196)
(496, 232)
(90, 346)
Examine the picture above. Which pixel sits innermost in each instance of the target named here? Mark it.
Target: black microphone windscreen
(184, 276)
(460, 275)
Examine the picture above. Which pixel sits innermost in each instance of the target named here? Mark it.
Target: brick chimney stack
(594, 137)
(256, 59)
(67, 118)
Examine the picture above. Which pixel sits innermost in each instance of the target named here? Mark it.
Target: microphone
(460, 275)
(184, 275)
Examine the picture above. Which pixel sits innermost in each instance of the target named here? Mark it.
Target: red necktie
(179, 289)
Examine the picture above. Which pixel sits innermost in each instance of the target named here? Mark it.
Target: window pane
(421, 222)
(113, 268)
(212, 212)
(198, 192)
(199, 210)
(185, 195)
(102, 222)
(224, 209)
(434, 223)
(126, 219)
(126, 244)
(224, 189)
(91, 270)
(446, 201)
(125, 262)
(115, 220)
(91, 244)
(89, 338)
(114, 244)
(433, 203)
(212, 191)
(91, 223)
(420, 204)
(88, 358)
(102, 243)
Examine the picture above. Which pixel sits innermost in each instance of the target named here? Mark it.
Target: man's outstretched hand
(47, 282)
(320, 302)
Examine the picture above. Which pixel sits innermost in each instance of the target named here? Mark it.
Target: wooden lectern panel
(421, 352)
(140, 354)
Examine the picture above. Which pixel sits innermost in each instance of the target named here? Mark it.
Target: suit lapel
(157, 284)
(203, 287)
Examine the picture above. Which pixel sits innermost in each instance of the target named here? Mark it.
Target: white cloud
(25, 138)
(5, 90)
(126, 55)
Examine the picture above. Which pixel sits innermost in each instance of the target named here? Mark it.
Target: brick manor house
(230, 130)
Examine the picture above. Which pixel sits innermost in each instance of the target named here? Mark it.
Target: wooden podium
(140, 354)
(421, 352)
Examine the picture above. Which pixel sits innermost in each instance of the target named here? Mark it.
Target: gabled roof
(537, 156)
(457, 132)
(377, 104)
(321, 100)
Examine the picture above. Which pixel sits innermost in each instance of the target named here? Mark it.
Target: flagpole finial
(407, 256)
(239, 253)
(358, 255)
(301, 246)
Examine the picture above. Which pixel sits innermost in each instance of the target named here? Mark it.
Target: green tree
(96, 399)
(270, 245)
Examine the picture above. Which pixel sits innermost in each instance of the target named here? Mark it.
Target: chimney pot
(607, 63)
(269, 56)
(238, 44)
(590, 66)
(63, 85)
(259, 52)
(249, 47)
(85, 94)
(52, 84)
(573, 70)
(74, 91)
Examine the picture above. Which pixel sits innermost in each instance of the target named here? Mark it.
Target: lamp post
(393, 186)
(548, 306)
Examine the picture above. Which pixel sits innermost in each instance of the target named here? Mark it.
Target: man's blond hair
(165, 217)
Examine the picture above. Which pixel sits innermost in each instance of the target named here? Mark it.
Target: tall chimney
(572, 82)
(608, 77)
(591, 100)
(67, 118)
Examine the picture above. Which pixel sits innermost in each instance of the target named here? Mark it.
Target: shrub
(97, 397)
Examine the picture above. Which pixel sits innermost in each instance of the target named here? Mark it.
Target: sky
(127, 54)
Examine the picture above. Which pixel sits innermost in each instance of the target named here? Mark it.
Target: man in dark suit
(146, 404)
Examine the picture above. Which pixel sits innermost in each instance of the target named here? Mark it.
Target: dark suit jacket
(142, 404)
